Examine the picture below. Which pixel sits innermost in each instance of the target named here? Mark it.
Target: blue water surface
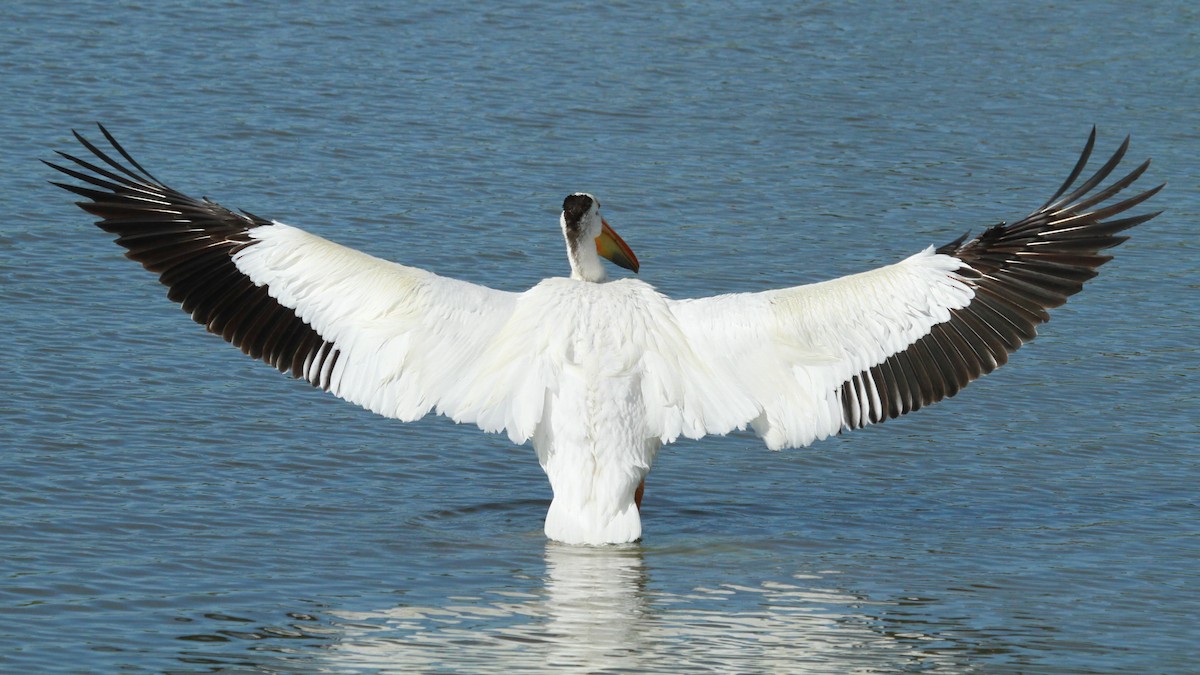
(169, 505)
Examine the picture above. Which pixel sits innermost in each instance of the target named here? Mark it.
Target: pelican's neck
(586, 264)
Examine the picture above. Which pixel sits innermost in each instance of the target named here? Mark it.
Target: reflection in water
(599, 611)
(591, 615)
(596, 604)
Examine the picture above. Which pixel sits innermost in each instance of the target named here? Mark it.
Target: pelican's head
(589, 237)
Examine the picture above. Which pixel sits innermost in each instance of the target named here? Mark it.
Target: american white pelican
(598, 375)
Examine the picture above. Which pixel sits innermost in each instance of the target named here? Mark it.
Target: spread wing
(869, 347)
(397, 340)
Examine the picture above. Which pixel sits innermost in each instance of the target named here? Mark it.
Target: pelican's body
(594, 440)
(598, 374)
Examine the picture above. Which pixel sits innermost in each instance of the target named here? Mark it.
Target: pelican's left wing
(397, 340)
(814, 360)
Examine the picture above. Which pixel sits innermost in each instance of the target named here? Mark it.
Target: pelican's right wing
(814, 360)
(397, 340)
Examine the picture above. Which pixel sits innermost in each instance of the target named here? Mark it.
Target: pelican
(597, 375)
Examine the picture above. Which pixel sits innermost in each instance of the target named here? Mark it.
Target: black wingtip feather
(113, 142)
(189, 244)
(1079, 165)
(1090, 183)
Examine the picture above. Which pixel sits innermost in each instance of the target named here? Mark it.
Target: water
(166, 504)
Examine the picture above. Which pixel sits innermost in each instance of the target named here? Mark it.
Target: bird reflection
(597, 610)
(596, 605)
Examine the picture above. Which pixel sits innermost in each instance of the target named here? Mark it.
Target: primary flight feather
(599, 374)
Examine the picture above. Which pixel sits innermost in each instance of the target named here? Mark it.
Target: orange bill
(610, 245)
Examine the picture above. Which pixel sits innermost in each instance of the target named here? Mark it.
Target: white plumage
(598, 374)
